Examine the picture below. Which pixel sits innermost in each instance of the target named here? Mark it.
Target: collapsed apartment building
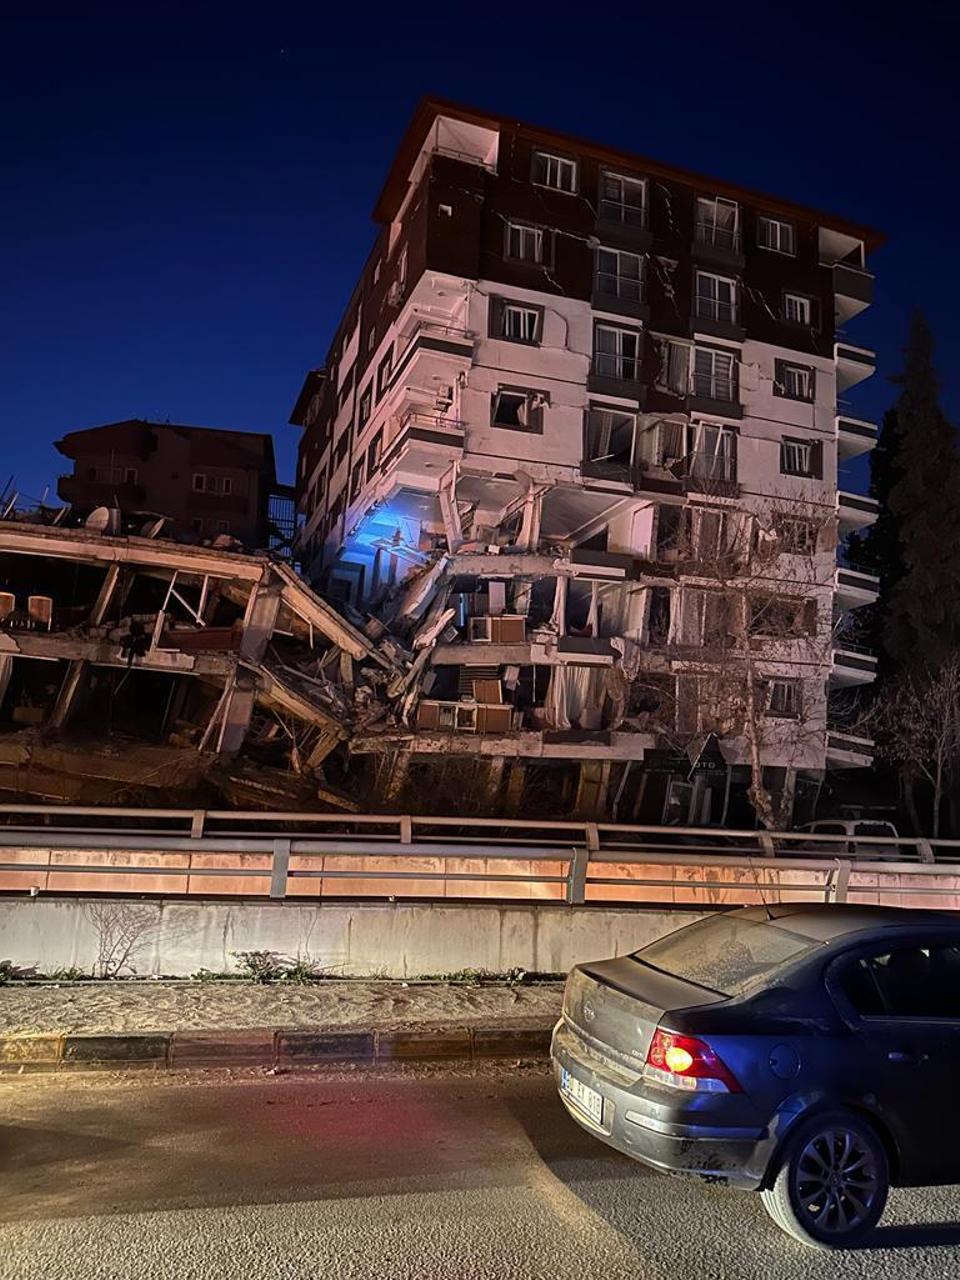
(575, 445)
(139, 670)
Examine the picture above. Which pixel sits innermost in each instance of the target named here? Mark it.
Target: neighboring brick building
(207, 481)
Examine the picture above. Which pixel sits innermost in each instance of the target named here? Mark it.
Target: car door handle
(905, 1057)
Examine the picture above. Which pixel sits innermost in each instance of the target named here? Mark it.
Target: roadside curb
(266, 1047)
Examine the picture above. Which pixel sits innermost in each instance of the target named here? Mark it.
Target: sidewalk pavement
(155, 1024)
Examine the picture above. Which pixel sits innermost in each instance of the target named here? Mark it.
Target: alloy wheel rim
(836, 1181)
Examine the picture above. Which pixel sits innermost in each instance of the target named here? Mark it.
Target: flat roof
(429, 108)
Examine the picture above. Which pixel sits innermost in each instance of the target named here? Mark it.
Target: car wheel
(832, 1182)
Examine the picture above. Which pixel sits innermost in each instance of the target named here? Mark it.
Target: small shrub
(70, 974)
(259, 966)
(303, 970)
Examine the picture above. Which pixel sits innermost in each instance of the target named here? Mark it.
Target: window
(776, 235)
(365, 406)
(716, 298)
(798, 309)
(518, 410)
(610, 435)
(793, 381)
(674, 373)
(910, 982)
(223, 526)
(718, 222)
(616, 352)
(619, 275)
(374, 450)
(376, 272)
(715, 374)
(371, 340)
(623, 200)
(515, 322)
(524, 243)
(782, 698)
(340, 449)
(796, 536)
(782, 617)
(384, 370)
(402, 269)
(554, 171)
(801, 458)
(711, 453)
(356, 480)
(197, 524)
(203, 483)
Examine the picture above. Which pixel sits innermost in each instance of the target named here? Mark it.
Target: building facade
(208, 483)
(576, 442)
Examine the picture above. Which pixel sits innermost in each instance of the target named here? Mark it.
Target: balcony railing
(717, 310)
(607, 364)
(627, 215)
(624, 288)
(719, 237)
(431, 421)
(705, 468)
(711, 386)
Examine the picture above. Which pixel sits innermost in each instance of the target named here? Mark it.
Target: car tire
(831, 1183)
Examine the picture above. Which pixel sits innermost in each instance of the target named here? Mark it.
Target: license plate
(586, 1099)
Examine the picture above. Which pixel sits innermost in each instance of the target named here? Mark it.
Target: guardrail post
(406, 829)
(837, 883)
(925, 850)
(577, 875)
(280, 868)
(196, 823)
(765, 840)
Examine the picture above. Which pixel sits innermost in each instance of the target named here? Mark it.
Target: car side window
(908, 982)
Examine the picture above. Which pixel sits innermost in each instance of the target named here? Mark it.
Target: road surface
(431, 1174)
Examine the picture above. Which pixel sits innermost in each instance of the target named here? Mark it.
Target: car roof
(830, 922)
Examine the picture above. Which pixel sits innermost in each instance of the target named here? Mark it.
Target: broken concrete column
(397, 767)
(76, 676)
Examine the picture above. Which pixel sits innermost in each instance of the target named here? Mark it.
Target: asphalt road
(432, 1174)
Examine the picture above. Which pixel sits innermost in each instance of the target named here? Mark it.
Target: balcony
(621, 223)
(714, 242)
(100, 493)
(717, 318)
(852, 665)
(855, 511)
(614, 375)
(854, 364)
(852, 290)
(849, 751)
(854, 436)
(424, 446)
(715, 394)
(620, 295)
(707, 473)
(853, 590)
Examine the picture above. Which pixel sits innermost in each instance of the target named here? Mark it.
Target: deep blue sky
(185, 190)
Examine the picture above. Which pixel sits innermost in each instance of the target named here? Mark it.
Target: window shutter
(810, 617)
(678, 371)
(671, 442)
(816, 460)
(784, 469)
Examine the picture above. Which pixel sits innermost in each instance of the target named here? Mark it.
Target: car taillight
(683, 1062)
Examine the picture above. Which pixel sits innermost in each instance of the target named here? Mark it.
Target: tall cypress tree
(917, 542)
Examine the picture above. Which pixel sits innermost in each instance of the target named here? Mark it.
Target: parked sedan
(807, 1052)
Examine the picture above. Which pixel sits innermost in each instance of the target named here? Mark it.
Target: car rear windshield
(725, 953)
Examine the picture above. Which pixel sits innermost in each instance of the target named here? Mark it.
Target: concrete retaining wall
(363, 939)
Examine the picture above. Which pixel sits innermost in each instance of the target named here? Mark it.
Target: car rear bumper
(646, 1123)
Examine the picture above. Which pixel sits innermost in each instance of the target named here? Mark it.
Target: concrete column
(259, 622)
(75, 678)
(592, 789)
(450, 512)
(516, 780)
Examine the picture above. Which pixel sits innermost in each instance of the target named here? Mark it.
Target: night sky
(185, 191)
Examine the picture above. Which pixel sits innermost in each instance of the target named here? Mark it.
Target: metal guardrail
(267, 854)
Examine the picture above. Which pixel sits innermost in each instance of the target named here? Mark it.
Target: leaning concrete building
(576, 443)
